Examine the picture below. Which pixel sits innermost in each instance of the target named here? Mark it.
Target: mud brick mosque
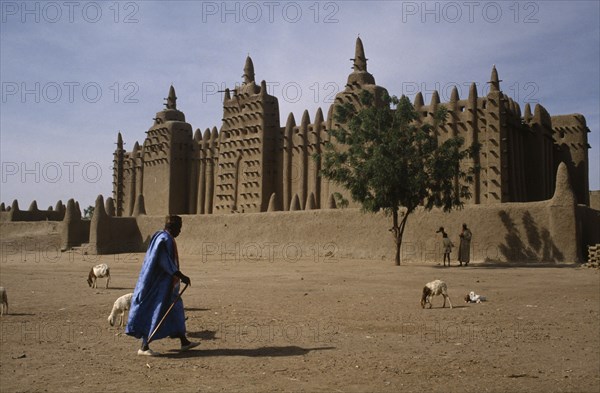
(253, 164)
(530, 200)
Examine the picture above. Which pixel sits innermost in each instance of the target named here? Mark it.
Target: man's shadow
(204, 335)
(290, 350)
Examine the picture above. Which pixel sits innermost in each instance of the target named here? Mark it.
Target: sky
(73, 74)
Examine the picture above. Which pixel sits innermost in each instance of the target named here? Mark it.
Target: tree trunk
(398, 232)
(395, 232)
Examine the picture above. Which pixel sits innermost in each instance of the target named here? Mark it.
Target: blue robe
(155, 291)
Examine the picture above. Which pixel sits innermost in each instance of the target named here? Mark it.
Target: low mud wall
(523, 232)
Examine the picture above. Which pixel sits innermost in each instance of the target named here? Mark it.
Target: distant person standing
(464, 248)
(446, 245)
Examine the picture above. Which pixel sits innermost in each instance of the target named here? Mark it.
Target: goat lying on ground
(121, 305)
(98, 271)
(4, 301)
(434, 288)
(472, 297)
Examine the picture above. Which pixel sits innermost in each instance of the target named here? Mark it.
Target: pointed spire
(119, 141)
(563, 192)
(494, 80)
(360, 61)
(2, 207)
(33, 207)
(527, 114)
(435, 98)
(214, 138)
(70, 213)
(419, 101)
(311, 204)
(291, 121)
(109, 206)
(197, 135)
(99, 211)
(263, 90)
(273, 205)
(171, 99)
(59, 207)
(472, 100)
(330, 116)
(295, 203)
(318, 117)
(454, 95)
(227, 95)
(248, 71)
(305, 119)
(331, 202)
(541, 116)
(360, 75)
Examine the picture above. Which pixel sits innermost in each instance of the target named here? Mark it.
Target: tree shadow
(504, 265)
(290, 350)
(196, 309)
(514, 249)
(533, 235)
(18, 314)
(539, 247)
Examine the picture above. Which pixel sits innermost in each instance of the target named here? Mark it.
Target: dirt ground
(304, 325)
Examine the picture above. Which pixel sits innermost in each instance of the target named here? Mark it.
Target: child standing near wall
(446, 245)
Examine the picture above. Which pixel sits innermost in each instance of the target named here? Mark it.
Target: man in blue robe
(156, 289)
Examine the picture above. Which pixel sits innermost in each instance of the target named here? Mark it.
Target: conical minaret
(360, 75)
(494, 80)
(170, 113)
(119, 141)
(171, 99)
(248, 71)
(360, 61)
(118, 176)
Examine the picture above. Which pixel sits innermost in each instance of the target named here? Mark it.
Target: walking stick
(167, 313)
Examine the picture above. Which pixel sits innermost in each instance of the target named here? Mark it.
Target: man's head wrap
(172, 221)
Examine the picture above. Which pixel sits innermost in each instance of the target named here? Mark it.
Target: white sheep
(4, 301)
(472, 297)
(121, 305)
(98, 271)
(434, 288)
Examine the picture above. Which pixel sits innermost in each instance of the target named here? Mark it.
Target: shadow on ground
(250, 352)
(205, 335)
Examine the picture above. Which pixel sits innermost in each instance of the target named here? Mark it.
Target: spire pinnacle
(171, 99)
(248, 71)
(454, 95)
(494, 80)
(360, 60)
(360, 75)
(119, 141)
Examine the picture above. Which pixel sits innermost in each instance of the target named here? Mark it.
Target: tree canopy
(390, 161)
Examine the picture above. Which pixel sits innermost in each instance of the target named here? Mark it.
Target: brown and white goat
(434, 288)
(4, 301)
(121, 305)
(98, 271)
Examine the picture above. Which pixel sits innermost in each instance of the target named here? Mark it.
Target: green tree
(390, 162)
(88, 212)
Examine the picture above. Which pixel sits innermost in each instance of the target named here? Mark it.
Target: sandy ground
(315, 324)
